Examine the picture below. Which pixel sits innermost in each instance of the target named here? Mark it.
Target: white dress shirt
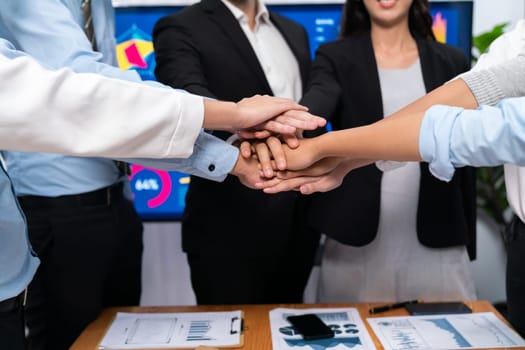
(45, 111)
(275, 56)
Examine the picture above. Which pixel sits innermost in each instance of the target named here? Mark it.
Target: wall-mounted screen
(160, 195)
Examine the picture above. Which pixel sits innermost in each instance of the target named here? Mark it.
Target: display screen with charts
(159, 195)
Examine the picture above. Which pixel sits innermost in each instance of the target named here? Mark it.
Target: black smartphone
(438, 308)
(310, 326)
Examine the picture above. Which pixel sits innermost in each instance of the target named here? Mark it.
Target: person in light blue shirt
(87, 234)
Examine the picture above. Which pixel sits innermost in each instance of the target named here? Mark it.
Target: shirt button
(211, 167)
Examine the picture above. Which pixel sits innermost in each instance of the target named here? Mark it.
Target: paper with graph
(173, 330)
(350, 331)
(459, 331)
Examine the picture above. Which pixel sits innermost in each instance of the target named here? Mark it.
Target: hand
(247, 170)
(261, 116)
(269, 152)
(313, 179)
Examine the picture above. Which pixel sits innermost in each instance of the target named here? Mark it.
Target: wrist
(239, 169)
(221, 115)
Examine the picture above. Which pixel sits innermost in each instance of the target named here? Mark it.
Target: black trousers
(515, 242)
(90, 246)
(12, 324)
(237, 278)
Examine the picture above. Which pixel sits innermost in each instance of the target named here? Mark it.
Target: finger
(321, 185)
(285, 185)
(290, 174)
(267, 183)
(288, 185)
(291, 140)
(246, 149)
(278, 127)
(264, 156)
(301, 120)
(276, 148)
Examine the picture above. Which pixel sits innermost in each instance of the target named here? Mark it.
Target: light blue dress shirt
(452, 137)
(51, 31)
(17, 263)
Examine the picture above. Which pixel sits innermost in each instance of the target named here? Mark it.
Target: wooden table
(256, 321)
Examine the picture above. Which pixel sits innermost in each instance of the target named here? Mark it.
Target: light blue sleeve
(50, 32)
(452, 137)
(212, 159)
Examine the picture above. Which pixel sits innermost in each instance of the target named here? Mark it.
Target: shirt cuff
(435, 138)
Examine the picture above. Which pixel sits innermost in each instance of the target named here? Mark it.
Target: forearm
(89, 115)
(220, 115)
(397, 136)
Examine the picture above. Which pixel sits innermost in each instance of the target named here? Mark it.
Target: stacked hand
(291, 163)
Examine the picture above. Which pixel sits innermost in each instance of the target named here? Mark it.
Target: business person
(446, 138)
(402, 234)
(52, 116)
(72, 202)
(229, 50)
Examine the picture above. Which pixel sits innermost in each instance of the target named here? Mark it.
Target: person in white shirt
(63, 112)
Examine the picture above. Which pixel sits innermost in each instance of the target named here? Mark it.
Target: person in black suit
(243, 246)
(400, 234)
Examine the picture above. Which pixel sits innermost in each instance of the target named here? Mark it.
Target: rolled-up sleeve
(434, 140)
(452, 137)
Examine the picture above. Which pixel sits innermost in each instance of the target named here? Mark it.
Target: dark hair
(355, 19)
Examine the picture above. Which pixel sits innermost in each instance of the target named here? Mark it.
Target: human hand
(269, 152)
(261, 116)
(323, 176)
(248, 172)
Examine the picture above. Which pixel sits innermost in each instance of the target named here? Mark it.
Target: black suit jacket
(203, 49)
(344, 87)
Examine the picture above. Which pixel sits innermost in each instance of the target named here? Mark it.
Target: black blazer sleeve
(323, 91)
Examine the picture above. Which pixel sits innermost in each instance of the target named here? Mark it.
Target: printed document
(173, 330)
(350, 331)
(458, 331)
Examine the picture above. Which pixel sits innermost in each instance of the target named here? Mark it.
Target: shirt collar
(262, 12)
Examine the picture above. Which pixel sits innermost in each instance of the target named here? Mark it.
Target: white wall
(488, 13)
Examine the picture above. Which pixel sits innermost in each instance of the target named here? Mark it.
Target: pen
(377, 309)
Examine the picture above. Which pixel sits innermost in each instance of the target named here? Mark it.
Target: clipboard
(187, 330)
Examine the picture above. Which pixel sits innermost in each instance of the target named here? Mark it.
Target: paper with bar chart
(173, 330)
(459, 331)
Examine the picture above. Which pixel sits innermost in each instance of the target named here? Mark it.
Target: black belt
(11, 304)
(104, 196)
